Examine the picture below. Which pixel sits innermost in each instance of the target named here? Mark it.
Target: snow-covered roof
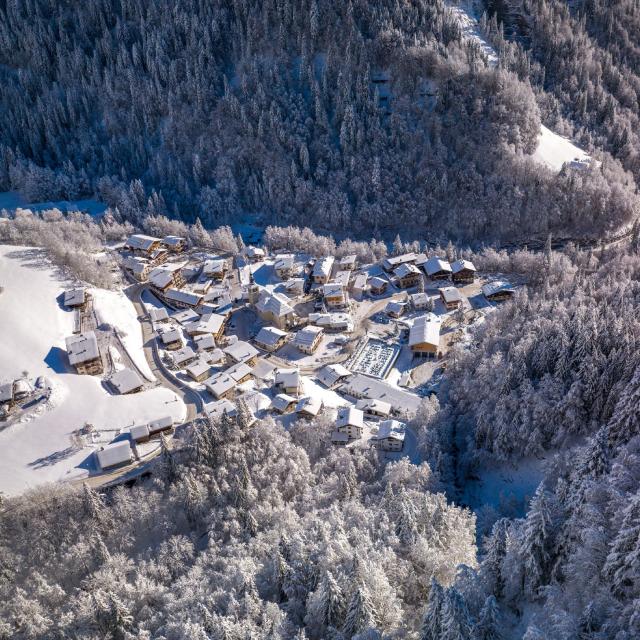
(322, 267)
(183, 297)
(173, 335)
(419, 299)
(74, 297)
(183, 355)
(283, 261)
(395, 261)
(333, 289)
(161, 277)
(158, 314)
(209, 323)
(309, 405)
(254, 252)
(462, 265)
(436, 265)
(125, 380)
(287, 378)
(406, 269)
(6, 392)
(294, 284)
(282, 402)
(425, 330)
(276, 304)
(223, 382)
(336, 320)
(139, 432)
(497, 286)
(373, 405)
(217, 266)
(218, 408)
(114, 453)
(82, 347)
(392, 429)
(198, 369)
(270, 336)
(262, 369)
(185, 316)
(135, 264)
(241, 351)
(166, 422)
(346, 260)
(395, 307)
(306, 337)
(141, 241)
(360, 281)
(173, 241)
(330, 374)
(450, 294)
(378, 283)
(349, 416)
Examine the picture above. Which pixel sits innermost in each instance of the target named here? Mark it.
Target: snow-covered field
(34, 326)
(114, 308)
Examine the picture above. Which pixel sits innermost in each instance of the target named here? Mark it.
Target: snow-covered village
(96, 382)
(320, 320)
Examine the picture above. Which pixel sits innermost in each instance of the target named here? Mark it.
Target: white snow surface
(114, 308)
(38, 449)
(553, 150)
(12, 200)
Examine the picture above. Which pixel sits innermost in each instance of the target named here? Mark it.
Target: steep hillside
(223, 110)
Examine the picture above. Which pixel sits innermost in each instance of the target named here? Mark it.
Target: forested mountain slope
(345, 116)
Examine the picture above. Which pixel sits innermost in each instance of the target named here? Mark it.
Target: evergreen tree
(456, 623)
(488, 627)
(360, 614)
(432, 628)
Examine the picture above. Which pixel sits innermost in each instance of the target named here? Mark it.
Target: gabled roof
(198, 368)
(393, 429)
(406, 269)
(209, 323)
(333, 289)
(82, 347)
(377, 282)
(218, 408)
(140, 241)
(322, 267)
(349, 416)
(374, 405)
(173, 241)
(167, 337)
(214, 266)
(435, 265)
(330, 374)
(125, 380)
(270, 336)
(450, 294)
(158, 314)
(205, 341)
(161, 278)
(241, 351)
(497, 286)
(185, 316)
(284, 261)
(308, 335)
(274, 303)
(462, 265)
(282, 402)
(287, 378)
(184, 297)
(183, 355)
(425, 329)
(309, 405)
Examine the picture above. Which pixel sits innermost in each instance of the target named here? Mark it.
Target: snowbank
(39, 449)
(114, 308)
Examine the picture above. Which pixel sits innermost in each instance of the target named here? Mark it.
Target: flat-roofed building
(308, 339)
(84, 353)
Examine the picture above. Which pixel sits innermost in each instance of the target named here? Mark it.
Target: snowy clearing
(114, 308)
(554, 150)
(38, 449)
(12, 200)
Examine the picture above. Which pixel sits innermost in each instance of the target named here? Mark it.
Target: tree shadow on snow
(53, 458)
